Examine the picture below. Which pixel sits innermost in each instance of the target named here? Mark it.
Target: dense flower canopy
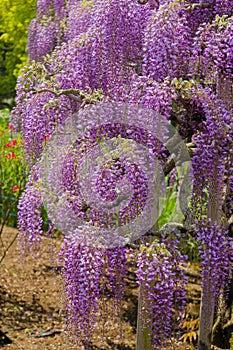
(172, 57)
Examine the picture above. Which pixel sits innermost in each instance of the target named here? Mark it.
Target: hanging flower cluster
(211, 165)
(168, 55)
(29, 218)
(105, 55)
(82, 269)
(78, 20)
(150, 94)
(216, 252)
(45, 31)
(212, 49)
(116, 272)
(223, 7)
(101, 272)
(162, 280)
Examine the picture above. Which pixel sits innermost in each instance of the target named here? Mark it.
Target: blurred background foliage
(15, 16)
(13, 170)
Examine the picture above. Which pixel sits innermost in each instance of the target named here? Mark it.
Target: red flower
(10, 127)
(11, 144)
(11, 155)
(47, 137)
(16, 188)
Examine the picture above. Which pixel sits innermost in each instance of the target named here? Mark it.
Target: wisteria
(78, 20)
(209, 183)
(162, 280)
(150, 94)
(38, 129)
(83, 274)
(116, 273)
(212, 50)
(168, 55)
(37, 46)
(216, 251)
(29, 218)
(223, 7)
(46, 30)
(120, 80)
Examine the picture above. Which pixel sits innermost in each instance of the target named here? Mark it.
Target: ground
(32, 312)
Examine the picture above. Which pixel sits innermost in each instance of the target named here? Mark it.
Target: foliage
(15, 17)
(12, 171)
(170, 211)
(191, 331)
(171, 57)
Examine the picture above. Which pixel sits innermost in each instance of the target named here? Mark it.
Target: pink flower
(16, 188)
(10, 127)
(11, 155)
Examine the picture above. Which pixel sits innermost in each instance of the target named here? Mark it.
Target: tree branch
(69, 92)
(192, 7)
(171, 162)
(74, 94)
(6, 250)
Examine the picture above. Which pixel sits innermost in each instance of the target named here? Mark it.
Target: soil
(32, 312)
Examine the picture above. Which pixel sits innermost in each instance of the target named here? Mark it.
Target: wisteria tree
(173, 59)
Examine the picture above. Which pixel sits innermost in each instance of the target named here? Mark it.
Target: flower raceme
(162, 281)
(100, 271)
(211, 51)
(216, 251)
(29, 218)
(169, 54)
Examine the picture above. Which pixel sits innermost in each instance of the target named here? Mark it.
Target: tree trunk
(144, 328)
(223, 327)
(143, 332)
(208, 301)
(206, 321)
